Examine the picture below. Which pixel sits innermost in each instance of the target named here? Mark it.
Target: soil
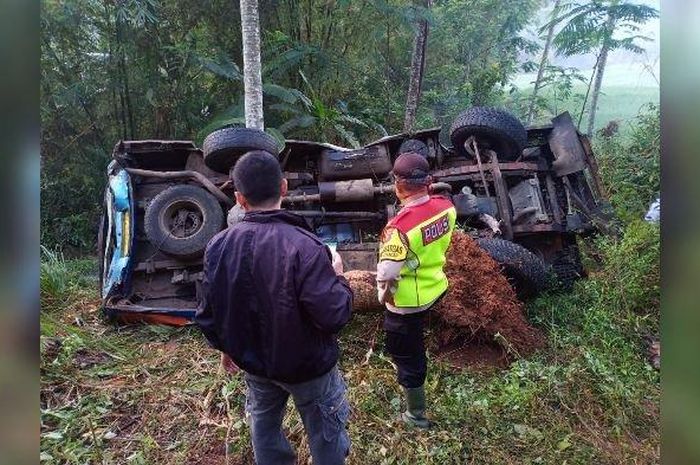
(480, 308)
(473, 355)
(481, 303)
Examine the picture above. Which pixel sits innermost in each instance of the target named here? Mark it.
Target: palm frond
(223, 67)
(219, 122)
(627, 44)
(288, 60)
(585, 10)
(581, 35)
(285, 107)
(283, 93)
(379, 128)
(347, 135)
(308, 85)
(632, 12)
(353, 120)
(277, 134)
(301, 121)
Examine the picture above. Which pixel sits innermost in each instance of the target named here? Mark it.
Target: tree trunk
(543, 65)
(252, 73)
(123, 71)
(602, 61)
(596, 89)
(417, 67)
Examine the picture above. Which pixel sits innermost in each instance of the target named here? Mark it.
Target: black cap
(412, 168)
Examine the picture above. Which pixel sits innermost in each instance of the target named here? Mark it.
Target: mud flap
(573, 159)
(564, 141)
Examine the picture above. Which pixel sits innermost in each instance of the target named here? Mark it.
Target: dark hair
(257, 175)
(412, 187)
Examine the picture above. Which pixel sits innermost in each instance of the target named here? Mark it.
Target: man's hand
(229, 366)
(386, 291)
(337, 262)
(492, 223)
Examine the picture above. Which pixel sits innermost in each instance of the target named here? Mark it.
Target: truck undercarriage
(525, 194)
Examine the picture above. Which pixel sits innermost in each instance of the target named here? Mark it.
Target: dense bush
(630, 164)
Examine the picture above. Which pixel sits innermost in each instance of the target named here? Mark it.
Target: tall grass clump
(63, 281)
(54, 278)
(630, 164)
(599, 331)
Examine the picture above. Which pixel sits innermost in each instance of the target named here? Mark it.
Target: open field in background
(626, 89)
(622, 103)
(151, 395)
(617, 103)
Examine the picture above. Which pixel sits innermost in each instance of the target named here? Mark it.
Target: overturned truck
(524, 194)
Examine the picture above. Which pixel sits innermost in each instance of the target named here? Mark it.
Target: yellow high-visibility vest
(419, 236)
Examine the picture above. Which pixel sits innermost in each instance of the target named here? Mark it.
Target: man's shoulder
(216, 241)
(220, 239)
(294, 238)
(440, 202)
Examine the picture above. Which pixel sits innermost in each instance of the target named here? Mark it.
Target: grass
(627, 87)
(617, 103)
(147, 394)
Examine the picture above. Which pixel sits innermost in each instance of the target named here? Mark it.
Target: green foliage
(54, 278)
(485, 40)
(589, 397)
(588, 25)
(332, 71)
(112, 392)
(60, 280)
(606, 319)
(558, 90)
(630, 164)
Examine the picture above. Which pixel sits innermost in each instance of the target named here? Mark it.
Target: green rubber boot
(415, 412)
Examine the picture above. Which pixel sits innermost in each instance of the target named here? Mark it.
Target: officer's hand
(337, 262)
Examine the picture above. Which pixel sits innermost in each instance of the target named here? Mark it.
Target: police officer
(410, 276)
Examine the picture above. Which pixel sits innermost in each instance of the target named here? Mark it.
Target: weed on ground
(151, 394)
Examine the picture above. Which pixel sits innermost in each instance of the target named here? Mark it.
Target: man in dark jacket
(273, 300)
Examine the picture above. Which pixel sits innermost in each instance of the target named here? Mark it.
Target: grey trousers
(324, 410)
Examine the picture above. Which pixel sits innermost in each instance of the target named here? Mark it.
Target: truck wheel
(493, 129)
(526, 272)
(567, 267)
(223, 147)
(182, 219)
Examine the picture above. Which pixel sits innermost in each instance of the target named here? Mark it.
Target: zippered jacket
(271, 300)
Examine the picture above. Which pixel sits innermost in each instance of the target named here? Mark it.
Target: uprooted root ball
(364, 287)
(480, 300)
(480, 304)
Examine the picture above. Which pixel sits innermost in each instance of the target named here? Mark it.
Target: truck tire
(567, 267)
(526, 272)
(182, 219)
(494, 129)
(222, 148)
